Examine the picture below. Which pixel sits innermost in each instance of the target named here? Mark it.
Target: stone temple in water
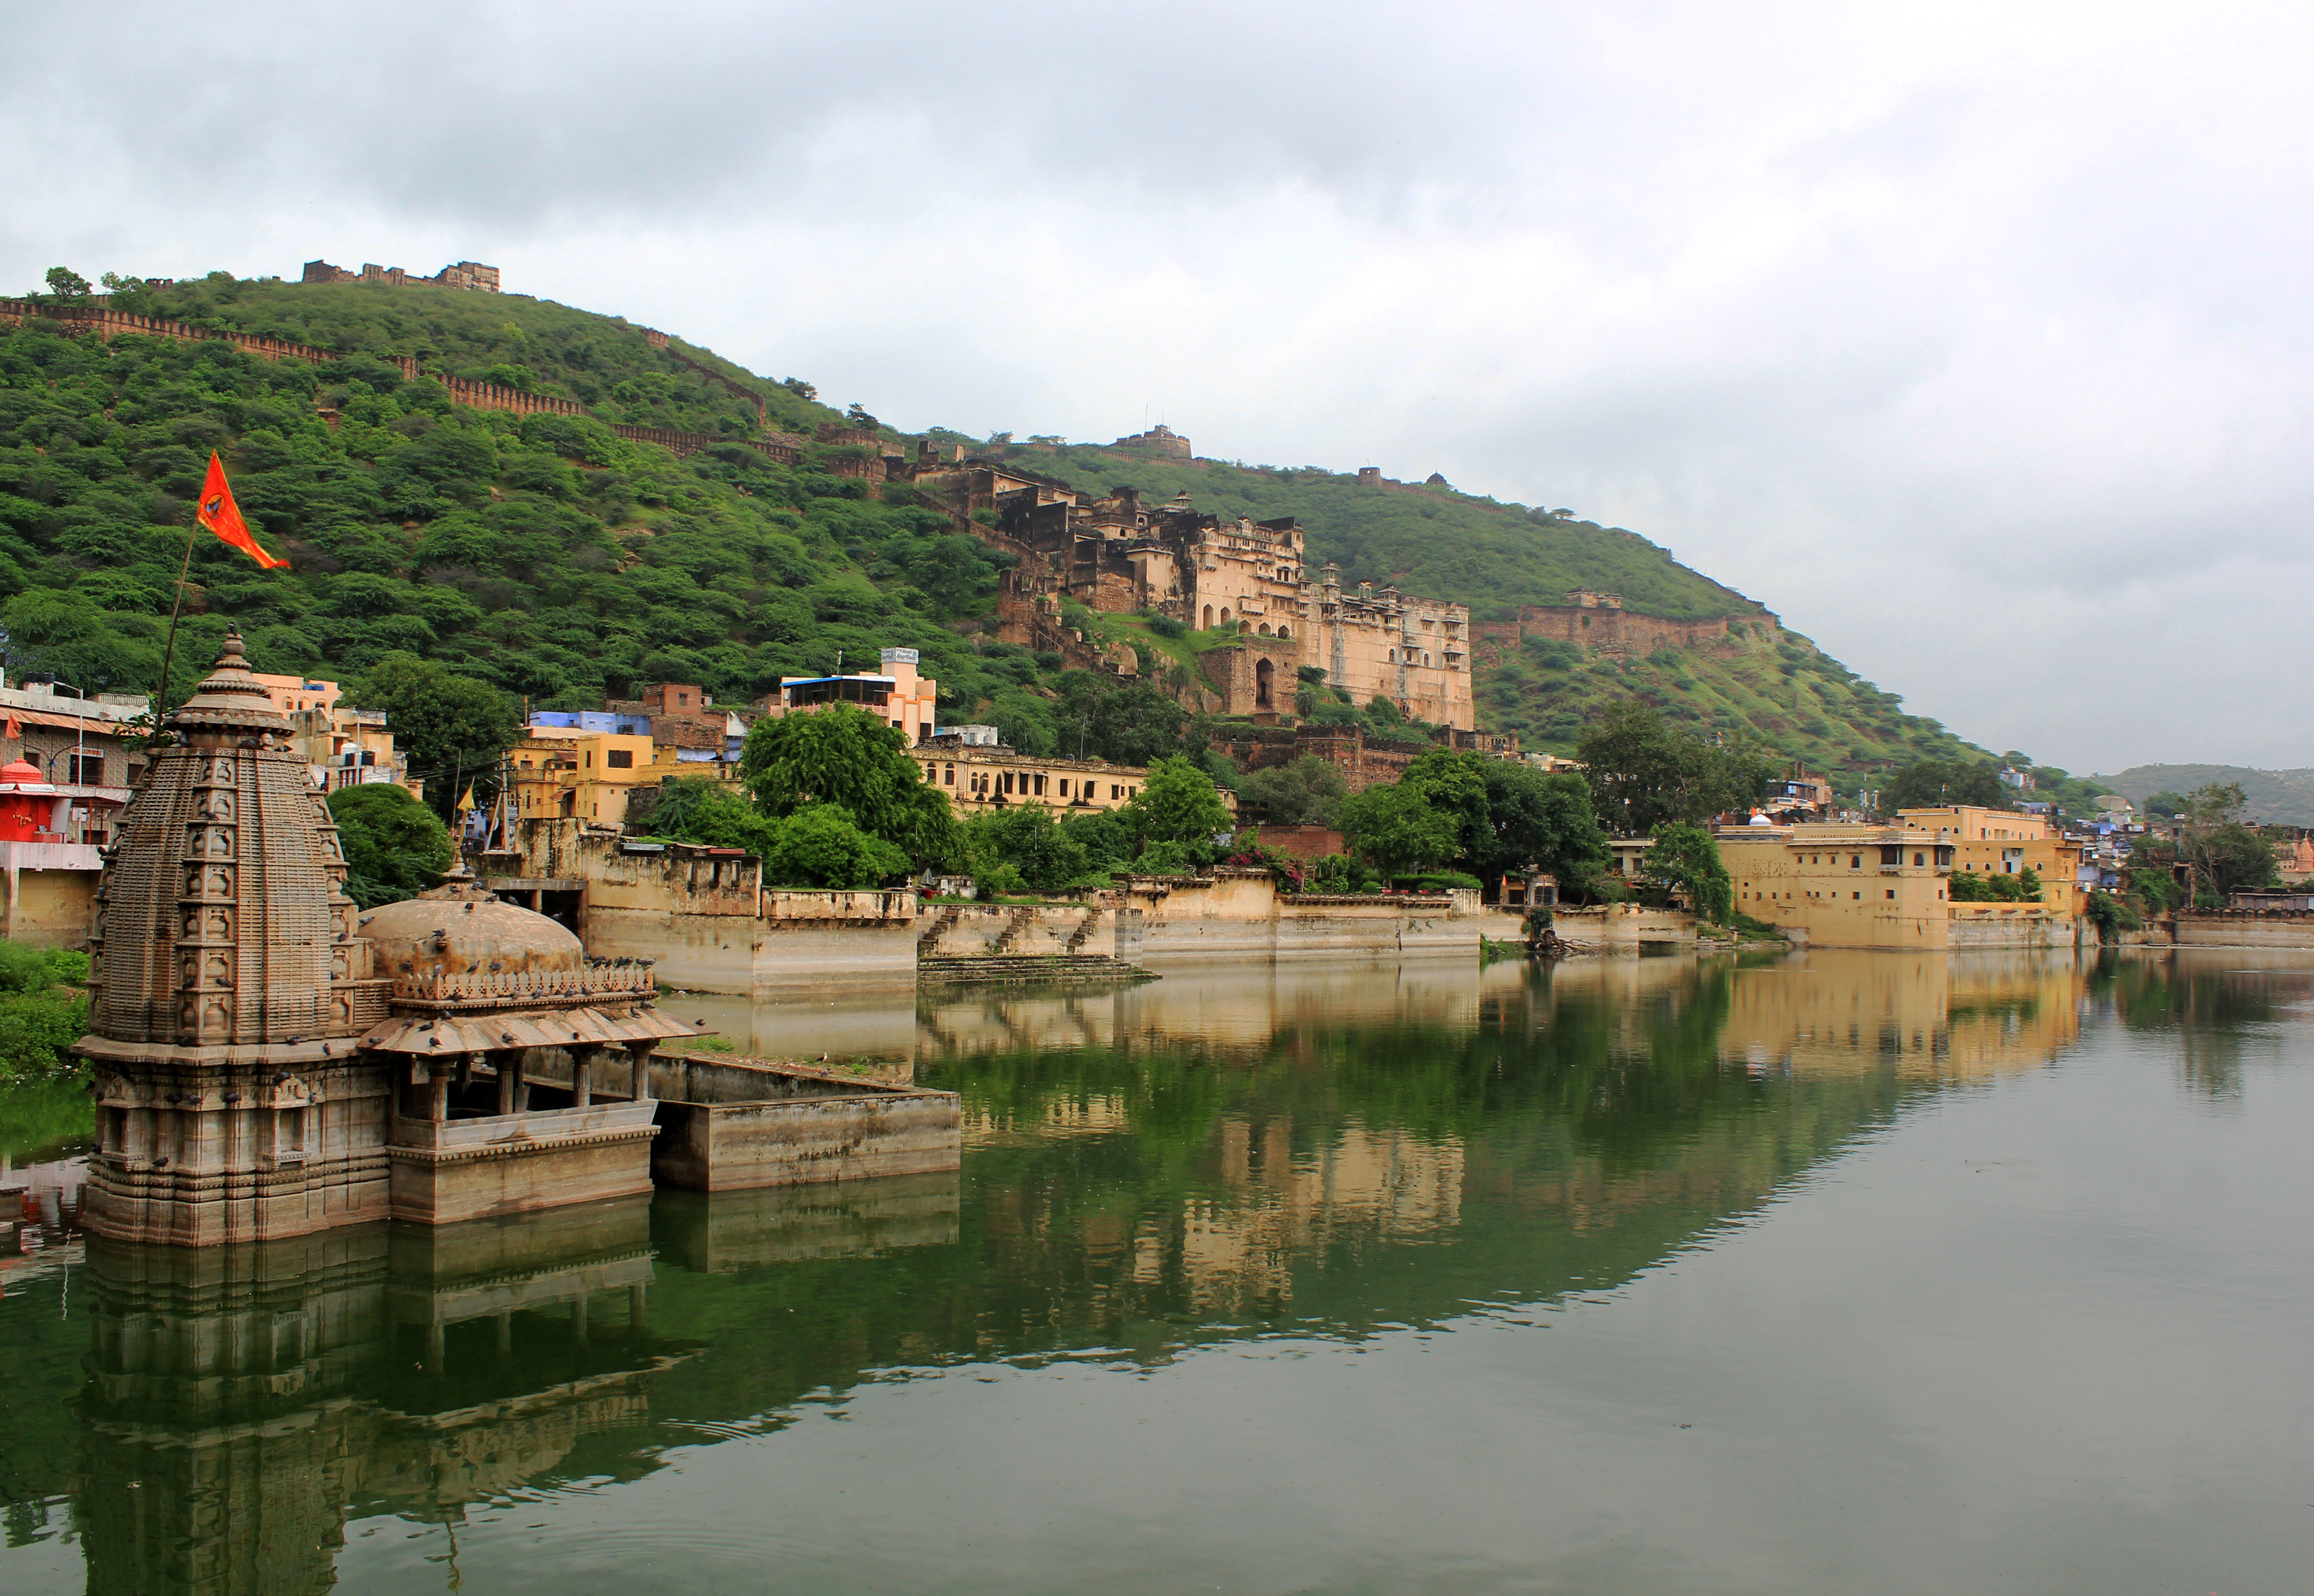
(268, 1061)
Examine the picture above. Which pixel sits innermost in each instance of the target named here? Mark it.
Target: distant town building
(342, 745)
(977, 776)
(896, 693)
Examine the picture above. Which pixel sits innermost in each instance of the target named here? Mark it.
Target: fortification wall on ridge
(1616, 631)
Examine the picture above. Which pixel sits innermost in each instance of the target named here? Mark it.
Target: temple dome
(459, 929)
(23, 775)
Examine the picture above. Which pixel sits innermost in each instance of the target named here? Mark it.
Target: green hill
(549, 555)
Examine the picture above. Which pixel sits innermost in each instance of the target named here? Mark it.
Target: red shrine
(28, 803)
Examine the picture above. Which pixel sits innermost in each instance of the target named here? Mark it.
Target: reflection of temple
(242, 1400)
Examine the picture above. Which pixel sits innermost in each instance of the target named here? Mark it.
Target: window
(1855, 861)
(1892, 892)
(1116, 791)
(948, 775)
(1040, 783)
(1919, 859)
(620, 759)
(1065, 787)
(88, 769)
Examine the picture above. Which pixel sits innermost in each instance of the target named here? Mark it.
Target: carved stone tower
(230, 986)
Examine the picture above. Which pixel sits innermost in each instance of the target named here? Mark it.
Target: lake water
(1830, 1273)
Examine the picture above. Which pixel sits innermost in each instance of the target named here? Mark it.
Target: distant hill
(2279, 797)
(563, 561)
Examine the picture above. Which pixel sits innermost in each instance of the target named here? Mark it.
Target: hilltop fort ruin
(466, 274)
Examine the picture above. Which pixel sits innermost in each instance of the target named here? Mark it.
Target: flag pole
(169, 654)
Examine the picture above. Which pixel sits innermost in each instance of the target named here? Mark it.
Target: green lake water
(1828, 1273)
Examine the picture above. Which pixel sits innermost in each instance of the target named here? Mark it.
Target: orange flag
(218, 513)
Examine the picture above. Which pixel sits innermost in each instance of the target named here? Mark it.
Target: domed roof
(1759, 819)
(24, 776)
(459, 929)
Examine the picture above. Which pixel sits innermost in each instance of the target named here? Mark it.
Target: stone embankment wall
(2244, 928)
(1615, 928)
(1975, 926)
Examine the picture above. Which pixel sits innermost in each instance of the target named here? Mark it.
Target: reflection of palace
(1926, 1014)
(1219, 1012)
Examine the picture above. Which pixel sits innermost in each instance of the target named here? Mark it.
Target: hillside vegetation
(551, 558)
(2278, 797)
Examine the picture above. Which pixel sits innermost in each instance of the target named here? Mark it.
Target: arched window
(1284, 632)
(1209, 618)
(1244, 627)
(1225, 615)
(1262, 630)
(1262, 673)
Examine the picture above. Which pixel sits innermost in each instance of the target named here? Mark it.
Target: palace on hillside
(1249, 578)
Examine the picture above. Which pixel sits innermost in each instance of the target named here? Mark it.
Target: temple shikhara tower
(261, 1073)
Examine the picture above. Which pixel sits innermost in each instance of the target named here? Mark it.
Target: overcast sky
(1971, 341)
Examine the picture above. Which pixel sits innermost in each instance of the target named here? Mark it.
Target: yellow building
(1842, 886)
(978, 777)
(585, 775)
(2001, 842)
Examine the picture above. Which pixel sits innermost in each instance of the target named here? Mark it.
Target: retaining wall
(805, 1141)
(1622, 928)
(2245, 927)
(756, 957)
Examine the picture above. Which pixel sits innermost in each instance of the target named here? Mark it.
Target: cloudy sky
(1971, 340)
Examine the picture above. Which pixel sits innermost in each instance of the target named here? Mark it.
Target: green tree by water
(843, 756)
(1396, 830)
(1687, 857)
(1178, 803)
(42, 1012)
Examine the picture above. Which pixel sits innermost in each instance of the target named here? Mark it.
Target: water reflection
(1147, 1170)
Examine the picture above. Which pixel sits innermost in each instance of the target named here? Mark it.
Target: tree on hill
(843, 756)
(1935, 783)
(453, 728)
(1644, 773)
(2227, 855)
(395, 847)
(1307, 793)
(66, 283)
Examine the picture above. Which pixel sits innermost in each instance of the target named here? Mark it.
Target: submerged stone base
(449, 1170)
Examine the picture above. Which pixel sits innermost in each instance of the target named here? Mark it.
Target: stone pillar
(582, 1076)
(437, 1100)
(508, 1070)
(638, 1082)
